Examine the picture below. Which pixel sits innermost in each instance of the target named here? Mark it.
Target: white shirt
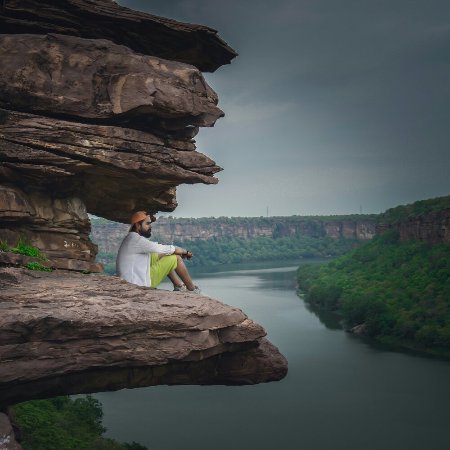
(133, 258)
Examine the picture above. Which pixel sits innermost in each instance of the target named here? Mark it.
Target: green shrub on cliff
(399, 290)
(65, 424)
(37, 266)
(24, 248)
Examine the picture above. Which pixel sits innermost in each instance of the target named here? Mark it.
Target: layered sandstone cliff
(89, 125)
(173, 229)
(99, 107)
(144, 33)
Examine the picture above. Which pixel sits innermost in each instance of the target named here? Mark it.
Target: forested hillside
(237, 250)
(392, 289)
(420, 208)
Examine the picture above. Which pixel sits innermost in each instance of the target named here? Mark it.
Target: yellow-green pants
(161, 267)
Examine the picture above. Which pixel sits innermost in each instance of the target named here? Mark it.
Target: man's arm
(143, 245)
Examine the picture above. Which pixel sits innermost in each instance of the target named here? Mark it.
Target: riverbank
(395, 293)
(336, 320)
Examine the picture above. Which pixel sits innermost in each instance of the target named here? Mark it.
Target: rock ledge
(102, 333)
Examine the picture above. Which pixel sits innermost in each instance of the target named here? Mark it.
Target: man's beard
(146, 234)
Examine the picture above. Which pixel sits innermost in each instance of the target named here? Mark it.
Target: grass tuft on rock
(24, 248)
(38, 266)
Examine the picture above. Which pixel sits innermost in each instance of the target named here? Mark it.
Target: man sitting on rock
(147, 263)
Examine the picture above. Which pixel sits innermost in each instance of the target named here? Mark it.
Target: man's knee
(172, 263)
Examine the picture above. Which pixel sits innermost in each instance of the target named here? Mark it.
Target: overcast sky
(330, 106)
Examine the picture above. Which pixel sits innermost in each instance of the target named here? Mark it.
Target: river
(340, 392)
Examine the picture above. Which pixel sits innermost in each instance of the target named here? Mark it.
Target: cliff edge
(66, 333)
(99, 107)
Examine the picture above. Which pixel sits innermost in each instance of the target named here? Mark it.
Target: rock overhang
(144, 33)
(68, 326)
(94, 120)
(113, 170)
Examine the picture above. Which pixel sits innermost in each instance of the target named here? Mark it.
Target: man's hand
(185, 254)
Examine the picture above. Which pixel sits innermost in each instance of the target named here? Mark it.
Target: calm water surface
(340, 393)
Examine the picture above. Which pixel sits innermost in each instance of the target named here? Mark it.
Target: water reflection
(330, 319)
(277, 275)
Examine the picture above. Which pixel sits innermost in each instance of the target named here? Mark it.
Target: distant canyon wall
(167, 229)
(433, 227)
(108, 235)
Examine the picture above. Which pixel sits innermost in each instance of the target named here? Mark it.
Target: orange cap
(138, 216)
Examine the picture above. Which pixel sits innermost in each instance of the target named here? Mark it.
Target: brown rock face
(113, 170)
(104, 19)
(87, 125)
(59, 227)
(68, 325)
(361, 230)
(96, 79)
